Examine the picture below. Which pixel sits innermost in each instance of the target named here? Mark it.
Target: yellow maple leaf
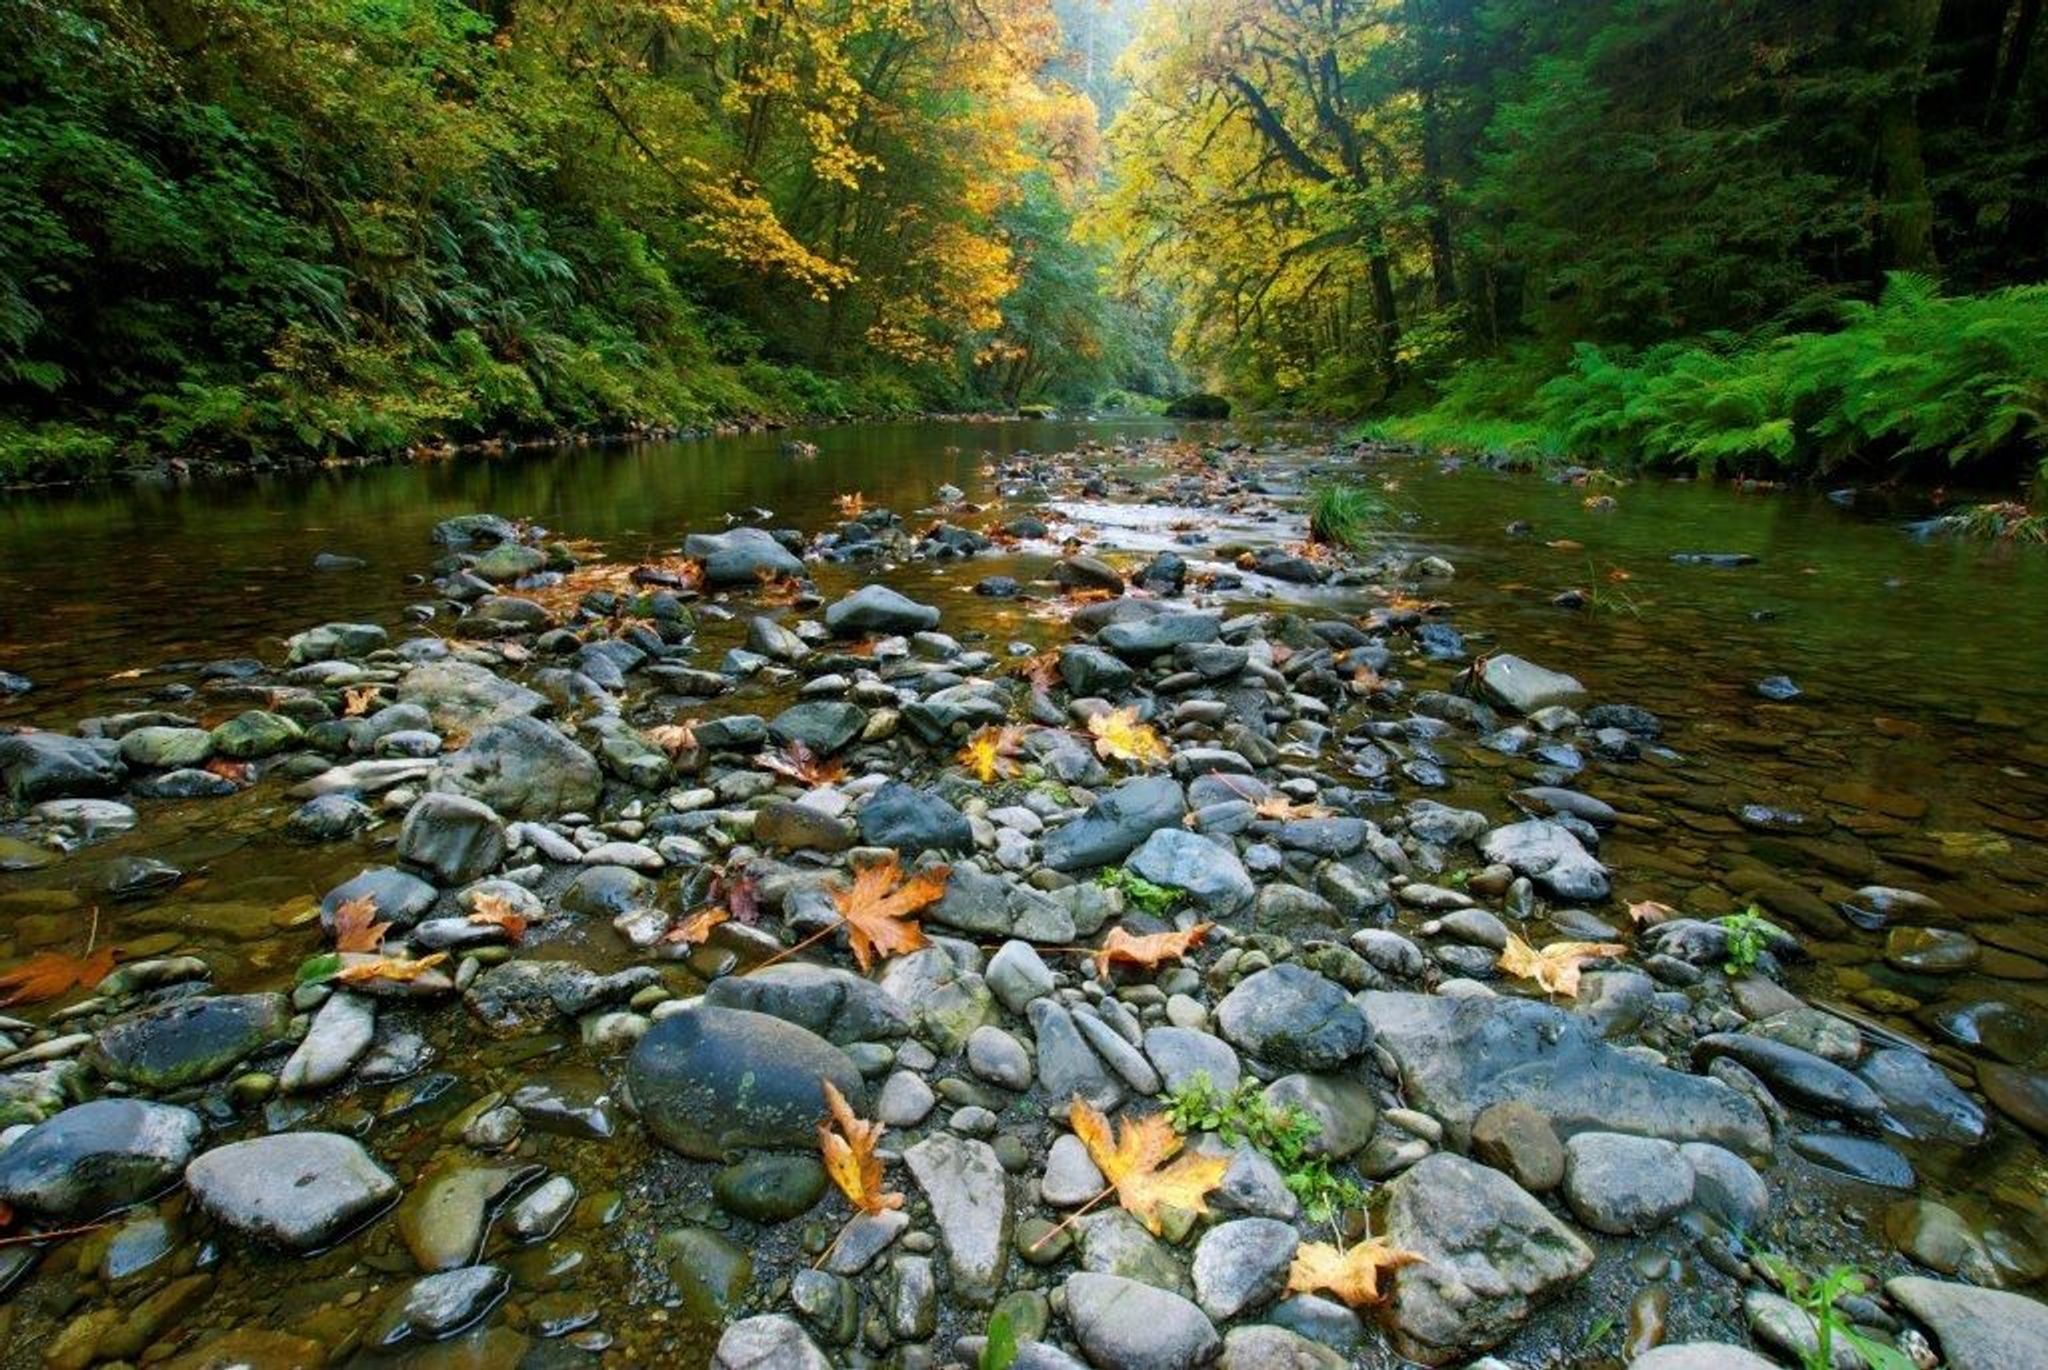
(1135, 1164)
(693, 930)
(1282, 809)
(495, 910)
(1648, 912)
(990, 753)
(850, 1157)
(389, 968)
(881, 908)
(1120, 736)
(1353, 1276)
(1555, 967)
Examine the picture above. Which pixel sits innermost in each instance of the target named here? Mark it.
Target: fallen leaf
(1556, 967)
(356, 927)
(132, 673)
(853, 505)
(1041, 670)
(850, 1157)
(238, 772)
(1120, 736)
(1135, 1164)
(1565, 545)
(991, 753)
(1150, 950)
(774, 589)
(389, 968)
(495, 910)
(1282, 809)
(741, 895)
(1353, 1276)
(806, 767)
(357, 701)
(881, 907)
(48, 974)
(1648, 912)
(693, 930)
(674, 738)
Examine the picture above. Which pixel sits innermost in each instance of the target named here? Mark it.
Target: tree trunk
(1443, 263)
(1906, 235)
(2026, 27)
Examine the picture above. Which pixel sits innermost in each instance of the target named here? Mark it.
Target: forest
(1749, 235)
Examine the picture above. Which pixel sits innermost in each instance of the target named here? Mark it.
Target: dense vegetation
(1646, 230)
(352, 225)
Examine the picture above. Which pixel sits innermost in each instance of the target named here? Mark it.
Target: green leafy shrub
(1156, 900)
(1344, 515)
(1245, 1116)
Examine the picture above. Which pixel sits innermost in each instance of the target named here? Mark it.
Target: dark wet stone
(784, 825)
(607, 891)
(823, 725)
(1931, 951)
(913, 820)
(297, 1190)
(1857, 1157)
(1920, 1101)
(835, 1004)
(452, 838)
(1512, 1136)
(441, 1305)
(442, 1218)
(567, 1101)
(1091, 671)
(742, 556)
(2021, 1095)
(708, 1080)
(188, 1041)
(1115, 824)
(1549, 854)
(1724, 560)
(1144, 638)
(400, 898)
(522, 768)
(527, 996)
(770, 1187)
(329, 818)
(255, 734)
(1457, 1056)
(139, 877)
(1799, 1077)
(39, 766)
(1294, 1019)
(186, 784)
(96, 1157)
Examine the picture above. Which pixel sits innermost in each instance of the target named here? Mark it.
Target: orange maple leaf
(991, 753)
(356, 927)
(357, 702)
(1648, 912)
(1555, 967)
(850, 1157)
(495, 910)
(693, 930)
(1150, 950)
(880, 909)
(236, 771)
(48, 974)
(853, 505)
(1135, 1164)
(674, 738)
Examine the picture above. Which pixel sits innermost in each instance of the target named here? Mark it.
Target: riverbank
(627, 800)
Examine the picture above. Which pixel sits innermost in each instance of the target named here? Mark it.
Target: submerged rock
(39, 766)
(741, 556)
(188, 1041)
(96, 1157)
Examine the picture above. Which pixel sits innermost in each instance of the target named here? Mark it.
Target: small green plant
(1460, 877)
(1341, 514)
(1284, 1134)
(1747, 936)
(1816, 1296)
(999, 1352)
(1156, 900)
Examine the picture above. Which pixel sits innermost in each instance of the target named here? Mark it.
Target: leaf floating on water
(991, 753)
(853, 504)
(1135, 1164)
(1121, 737)
(50, 974)
(692, 931)
(1353, 1276)
(1565, 545)
(389, 968)
(881, 909)
(850, 1157)
(1151, 950)
(1556, 967)
(356, 927)
(495, 910)
(1649, 912)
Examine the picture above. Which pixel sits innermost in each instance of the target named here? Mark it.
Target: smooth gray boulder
(709, 1081)
(1526, 687)
(1550, 855)
(35, 766)
(1124, 1325)
(453, 838)
(1621, 1184)
(1457, 1055)
(1292, 1018)
(298, 1190)
(1209, 871)
(1979, 1329)
(1243, 1265)
(1115, 824)
(462, 696)
(835, 1004)
(741, 556)
(970, 1198)
(1491, 1254)
(522, 768)
(878, 609)
(773, 1341)
(97, 1156)
(1702, 1355)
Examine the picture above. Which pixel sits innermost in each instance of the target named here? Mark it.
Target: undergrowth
(1283, 1133)
(1341, 514)
(1156, 900)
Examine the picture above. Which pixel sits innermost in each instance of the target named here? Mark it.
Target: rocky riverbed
(563, 1109)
